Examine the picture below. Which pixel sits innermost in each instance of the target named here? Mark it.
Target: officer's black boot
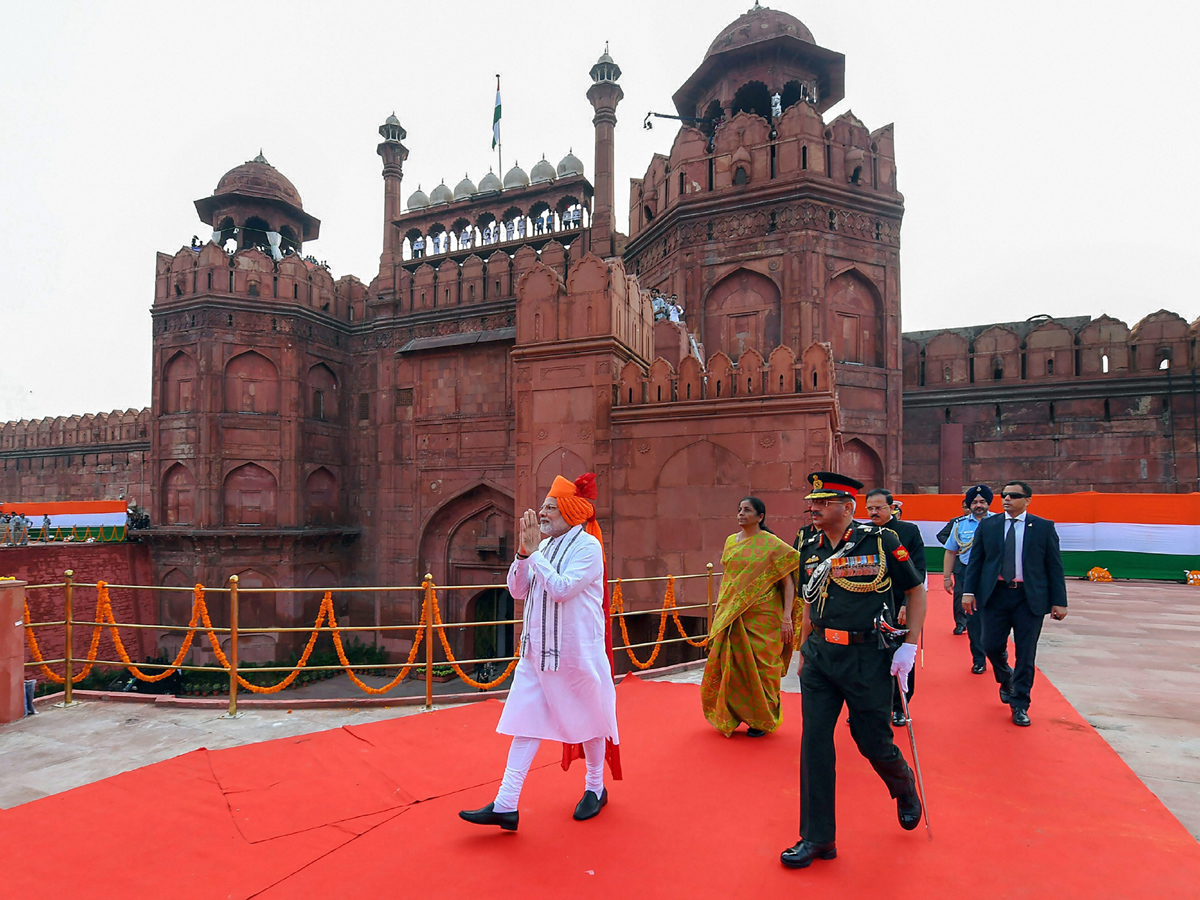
(801, 854)
(908, 808)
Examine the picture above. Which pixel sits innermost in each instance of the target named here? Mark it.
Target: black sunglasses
(1012, 495)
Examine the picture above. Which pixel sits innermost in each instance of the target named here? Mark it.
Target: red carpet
(369, 811)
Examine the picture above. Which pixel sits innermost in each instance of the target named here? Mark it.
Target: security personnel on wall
(846, 576)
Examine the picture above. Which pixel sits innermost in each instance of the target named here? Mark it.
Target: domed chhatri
(569, 165)
(258, 178)
(759, 24)
(516, 178)
(418, 199)
(465, 189)
(542, 172)
(440, 194)
(489, 183)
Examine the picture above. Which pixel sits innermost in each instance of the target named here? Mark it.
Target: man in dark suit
(879, 507)
(1015, 577)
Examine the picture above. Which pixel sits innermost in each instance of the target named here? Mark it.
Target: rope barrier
(441, 630)
(431, 617)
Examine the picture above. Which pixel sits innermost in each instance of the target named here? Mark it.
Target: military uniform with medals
(846, 662)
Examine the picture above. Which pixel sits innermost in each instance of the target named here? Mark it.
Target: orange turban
(575, 502)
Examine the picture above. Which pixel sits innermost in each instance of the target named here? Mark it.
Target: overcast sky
(1046, 151)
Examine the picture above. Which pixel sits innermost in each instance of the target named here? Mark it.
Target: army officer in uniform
(847, 572)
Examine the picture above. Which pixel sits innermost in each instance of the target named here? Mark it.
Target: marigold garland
(618, 606)
(1097, 573)
(105, 614)
(35, 650)
(669, 600)
(437, 619)
(400, 676)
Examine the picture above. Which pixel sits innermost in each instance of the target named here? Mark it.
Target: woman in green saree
(753, 629)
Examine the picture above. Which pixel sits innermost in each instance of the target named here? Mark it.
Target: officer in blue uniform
(846, 577)
(958, 553)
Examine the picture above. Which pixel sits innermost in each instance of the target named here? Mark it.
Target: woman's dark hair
(760, 508)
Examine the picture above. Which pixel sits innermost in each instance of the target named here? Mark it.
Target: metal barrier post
(709, 610)
(68, 649)
(233, 648)
(428, 641)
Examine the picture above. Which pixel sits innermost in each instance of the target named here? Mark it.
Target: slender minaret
(604, 95)
(394, 154)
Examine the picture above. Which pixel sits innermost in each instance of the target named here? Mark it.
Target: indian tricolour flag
(1148, 536)
(496, 117)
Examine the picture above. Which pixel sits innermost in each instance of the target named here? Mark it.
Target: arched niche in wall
(320, 498)
(854, 320)
(179, 384)
(700, 484)
(251, 385)
(466, 538)
(256, 610)
(859, 460)
(178, 493)
(174, 607)
(741, 313)
(560, 461)
(322, 393)
(248, 497)
(323, 577)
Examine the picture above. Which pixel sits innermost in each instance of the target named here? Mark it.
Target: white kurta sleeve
(584, 567)
(518, 578)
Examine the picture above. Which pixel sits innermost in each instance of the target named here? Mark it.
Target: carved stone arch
(322, 394)
(179, 384)
(248, 497)
(858, 459)
(255, 610)
(854, 318)
(559, 461)
(251, 384)
(997, 354)
(700, 484)
(947, 359)
(320, 497)
(178, 496)
(742, 311)
(467, 540)
(174, 607)
(816, 368)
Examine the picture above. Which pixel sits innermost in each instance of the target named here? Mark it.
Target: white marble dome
(440, 194)
(516, 178)
(542, 172)
(418, 199)
(569, 165)
(465, 189)
(489, 183)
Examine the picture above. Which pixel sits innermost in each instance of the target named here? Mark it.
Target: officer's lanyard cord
(816, 588)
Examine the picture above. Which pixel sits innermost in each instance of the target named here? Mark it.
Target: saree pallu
(746, 654)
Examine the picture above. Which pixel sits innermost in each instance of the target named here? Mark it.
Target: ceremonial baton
(912, 742)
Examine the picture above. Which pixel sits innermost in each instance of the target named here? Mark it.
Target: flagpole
(499, 143)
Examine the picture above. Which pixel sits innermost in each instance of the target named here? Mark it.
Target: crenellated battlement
(209, 271)
(88, 432)
(1043, 349)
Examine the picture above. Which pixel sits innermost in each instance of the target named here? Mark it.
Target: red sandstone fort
(307, 431)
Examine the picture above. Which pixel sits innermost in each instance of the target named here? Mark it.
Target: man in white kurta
(563, 686)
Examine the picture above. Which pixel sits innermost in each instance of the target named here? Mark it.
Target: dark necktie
(1009, 569)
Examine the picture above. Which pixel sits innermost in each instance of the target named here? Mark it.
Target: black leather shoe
(1020, 717)
(589, 807)
(488, 816)
(898, 719)
(978, 668)
(754, 732)
(960, 629)
(801, 854)
(908, 809)
(1005, 695)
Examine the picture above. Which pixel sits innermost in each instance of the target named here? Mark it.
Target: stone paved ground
(1127, 657)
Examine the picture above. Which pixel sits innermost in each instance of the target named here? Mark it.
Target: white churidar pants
(520, 758)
